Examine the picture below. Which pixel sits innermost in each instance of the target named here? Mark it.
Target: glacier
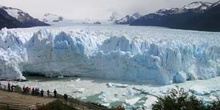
(139, 54)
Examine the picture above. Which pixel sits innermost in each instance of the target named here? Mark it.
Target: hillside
(16, 18)
(7, 21)
(195, 16)
(207, 21)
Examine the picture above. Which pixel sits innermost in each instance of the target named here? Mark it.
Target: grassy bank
(57, 103)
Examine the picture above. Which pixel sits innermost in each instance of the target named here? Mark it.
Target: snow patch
(196, 5)
(13, 12)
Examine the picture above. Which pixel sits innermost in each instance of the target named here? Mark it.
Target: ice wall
(157, 56)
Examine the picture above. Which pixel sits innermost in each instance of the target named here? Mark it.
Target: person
(65, 97)
(24, 89)
(55, 93)
(42, 93)
(37, 91)
(27, 90)
(33, 91)
(48, 93)
(9, 86)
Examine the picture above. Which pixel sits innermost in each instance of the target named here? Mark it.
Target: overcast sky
(93, 9)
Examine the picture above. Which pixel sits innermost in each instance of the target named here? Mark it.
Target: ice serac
(12, 55)
(150, 55)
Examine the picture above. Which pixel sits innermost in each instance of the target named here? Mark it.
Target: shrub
(56, 105)
(215, 105)
(178, 99)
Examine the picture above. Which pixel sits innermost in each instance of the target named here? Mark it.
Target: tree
(178, 99)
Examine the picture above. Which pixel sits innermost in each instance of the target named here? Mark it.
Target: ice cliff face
(150, 55)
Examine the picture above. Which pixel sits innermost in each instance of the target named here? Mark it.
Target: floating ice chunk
(213, 97)
(132, 92)
(79, 90)
(83, 98)
(116, 85)
(105, 104)
(165, 91)
(132, 101)
(77, 80)
(199, 90)
(60, 77)
(150, 100)
(104, 94)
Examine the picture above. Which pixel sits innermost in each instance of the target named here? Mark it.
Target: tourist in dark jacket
(65, 97)
(33, 91)
(55, 93)
(42, 93)
(9, 86)
(48, 93)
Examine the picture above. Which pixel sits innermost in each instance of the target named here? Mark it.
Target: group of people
(11, 87)
(33, 91)
(37, 91)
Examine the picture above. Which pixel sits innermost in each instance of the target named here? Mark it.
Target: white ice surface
(140, 54)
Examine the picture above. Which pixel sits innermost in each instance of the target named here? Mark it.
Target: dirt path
(27, 100)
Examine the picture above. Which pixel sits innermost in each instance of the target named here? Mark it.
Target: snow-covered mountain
(150, 55)
(114, 16)
(128, 19)
(165, 12)
(87, 21)
(24, 18)
(49, 18)
(192, 16)
(57, 20)
(216, 4)
(198, 5)
(8, 21)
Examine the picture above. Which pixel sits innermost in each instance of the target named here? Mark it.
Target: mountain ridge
(14, 18)
(128, 18)
(191, 17)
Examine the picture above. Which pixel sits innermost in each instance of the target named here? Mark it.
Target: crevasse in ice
(149, 55)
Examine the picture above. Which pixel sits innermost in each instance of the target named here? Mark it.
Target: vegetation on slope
(178, 99)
